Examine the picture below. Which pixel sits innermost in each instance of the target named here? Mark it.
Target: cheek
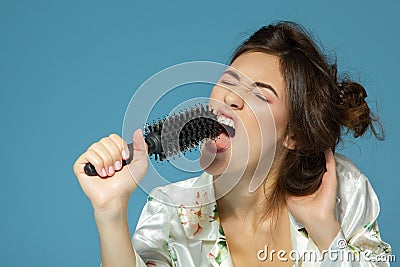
(213, 92)
(216, 92)
(281, 120)
(268, 124)
(215, 97)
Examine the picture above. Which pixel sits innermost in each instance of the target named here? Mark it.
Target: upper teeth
(226, 121)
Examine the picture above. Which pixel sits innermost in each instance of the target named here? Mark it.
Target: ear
(289, 142)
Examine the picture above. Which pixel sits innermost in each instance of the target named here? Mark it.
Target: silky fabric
(192, 236)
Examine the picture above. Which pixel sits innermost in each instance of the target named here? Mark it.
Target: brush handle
(153, 142)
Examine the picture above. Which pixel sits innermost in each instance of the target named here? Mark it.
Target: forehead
(260, 67)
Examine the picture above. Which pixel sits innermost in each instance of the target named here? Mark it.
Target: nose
(233, 100)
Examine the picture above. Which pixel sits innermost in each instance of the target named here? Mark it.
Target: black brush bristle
(175, 134)
(186, 130)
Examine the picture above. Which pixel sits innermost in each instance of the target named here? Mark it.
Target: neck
(241, 203)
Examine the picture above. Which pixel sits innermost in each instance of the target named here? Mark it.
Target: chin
(213, 163)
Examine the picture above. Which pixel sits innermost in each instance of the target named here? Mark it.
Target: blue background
(69, 68)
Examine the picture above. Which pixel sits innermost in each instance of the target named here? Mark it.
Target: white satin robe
(185, 236)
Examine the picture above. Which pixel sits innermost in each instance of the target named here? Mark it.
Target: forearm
(115, 242)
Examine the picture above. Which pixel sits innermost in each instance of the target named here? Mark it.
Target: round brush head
(181, 132)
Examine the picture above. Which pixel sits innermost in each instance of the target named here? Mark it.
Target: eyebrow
(258, 84)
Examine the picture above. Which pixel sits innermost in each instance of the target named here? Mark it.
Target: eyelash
(228, 83)
(260, 96)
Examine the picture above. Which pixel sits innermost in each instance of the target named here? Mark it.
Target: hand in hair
(317, 211)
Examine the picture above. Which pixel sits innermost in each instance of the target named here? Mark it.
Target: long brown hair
(321, 108)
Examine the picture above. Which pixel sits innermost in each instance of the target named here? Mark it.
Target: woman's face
(250, 96)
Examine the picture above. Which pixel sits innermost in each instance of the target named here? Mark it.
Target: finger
(104, 154)
(139, 146)
(330, 161)
(122, 146)
(329, 179)
(94, 159)
(97, 162)
(114, 151)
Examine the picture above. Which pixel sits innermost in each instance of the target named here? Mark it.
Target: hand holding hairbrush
(175, 134)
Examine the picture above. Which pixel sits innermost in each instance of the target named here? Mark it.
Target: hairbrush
(175, 134)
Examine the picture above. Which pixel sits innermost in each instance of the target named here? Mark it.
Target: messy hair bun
(356, 114)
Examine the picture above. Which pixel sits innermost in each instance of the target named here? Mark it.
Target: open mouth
(228, 130)
(223, 142)
(228, 125)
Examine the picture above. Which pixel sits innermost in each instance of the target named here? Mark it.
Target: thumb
(329, 179)
(140, 150)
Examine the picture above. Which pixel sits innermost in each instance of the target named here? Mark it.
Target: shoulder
(343, 163)
(351, 179)
(185, 192)
(164, 201)
(357, 200)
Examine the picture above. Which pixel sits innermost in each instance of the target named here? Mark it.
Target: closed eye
(258, 92)
(229, 82)
(261, 96)
(229, 78)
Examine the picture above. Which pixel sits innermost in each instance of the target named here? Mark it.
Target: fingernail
(117, 165)
(103, 172)
(111, 170)
(124, 154)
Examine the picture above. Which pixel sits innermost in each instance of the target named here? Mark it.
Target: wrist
(115, 210)
(323, 233)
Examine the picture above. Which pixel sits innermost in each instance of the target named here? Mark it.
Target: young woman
(313, 207)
